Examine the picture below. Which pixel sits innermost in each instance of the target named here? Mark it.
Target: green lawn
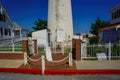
(9, 48)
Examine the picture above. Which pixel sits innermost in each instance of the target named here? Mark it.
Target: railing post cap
(43, 56)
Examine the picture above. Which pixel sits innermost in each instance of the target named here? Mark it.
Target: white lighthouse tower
(60, 20)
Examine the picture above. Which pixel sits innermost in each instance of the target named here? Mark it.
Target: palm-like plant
(40, 24)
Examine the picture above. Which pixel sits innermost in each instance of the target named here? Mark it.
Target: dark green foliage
(29, 34)
(97, 25)
(116, 48)
(94, 40)
(40, 24)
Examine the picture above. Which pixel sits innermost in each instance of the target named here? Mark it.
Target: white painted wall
(41, 36)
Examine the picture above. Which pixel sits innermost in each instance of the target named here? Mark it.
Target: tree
(29, 34)
(94, 40)
(97, 25)
(95, 29)
(40, 24)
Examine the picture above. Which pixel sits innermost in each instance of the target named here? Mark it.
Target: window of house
(115, 15)
(2, 17)
(16, 33)
(119, 13)
(6, 31)
(112, 16)
(9, 32)
(1, 31)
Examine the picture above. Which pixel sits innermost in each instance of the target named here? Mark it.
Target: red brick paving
(50, 65)
(16, 56)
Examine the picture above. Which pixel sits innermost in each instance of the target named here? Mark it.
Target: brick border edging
(61, 72)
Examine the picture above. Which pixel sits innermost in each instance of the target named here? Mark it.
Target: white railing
(10, 44)
(112, 51)
(63, 47)
(8, 40)
(42, 58)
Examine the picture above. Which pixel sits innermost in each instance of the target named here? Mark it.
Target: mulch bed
(48, 65)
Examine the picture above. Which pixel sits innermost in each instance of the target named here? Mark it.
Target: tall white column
(69, 20)
(60, 18)
(52, 19)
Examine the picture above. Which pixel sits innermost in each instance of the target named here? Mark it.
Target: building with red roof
(112, 33)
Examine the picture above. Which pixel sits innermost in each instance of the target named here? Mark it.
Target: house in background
(82, 36)
(112, 33)
(17, 30)
(8, 28)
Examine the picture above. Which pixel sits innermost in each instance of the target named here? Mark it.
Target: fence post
(109, 53)
(25, 58)
(13, 46)
(43, 64)
(35, 46)
(81, 50)
(76, 49)
(70, 59)
(25, 46)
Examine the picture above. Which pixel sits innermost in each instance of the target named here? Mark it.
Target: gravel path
(16, 76)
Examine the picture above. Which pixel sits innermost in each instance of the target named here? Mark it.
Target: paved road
(13, 76)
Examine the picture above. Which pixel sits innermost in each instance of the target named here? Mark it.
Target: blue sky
(85, 12)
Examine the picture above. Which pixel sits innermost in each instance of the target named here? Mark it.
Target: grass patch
(68, 50)
(9, 48)
(90, 59)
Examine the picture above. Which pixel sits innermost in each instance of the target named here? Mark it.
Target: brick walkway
(11, 58)
(50, 65)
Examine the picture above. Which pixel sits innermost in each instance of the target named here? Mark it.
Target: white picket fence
(111, 51)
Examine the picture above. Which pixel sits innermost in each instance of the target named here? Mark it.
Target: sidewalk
(7, 63)
(83, 67)
(107, 64)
